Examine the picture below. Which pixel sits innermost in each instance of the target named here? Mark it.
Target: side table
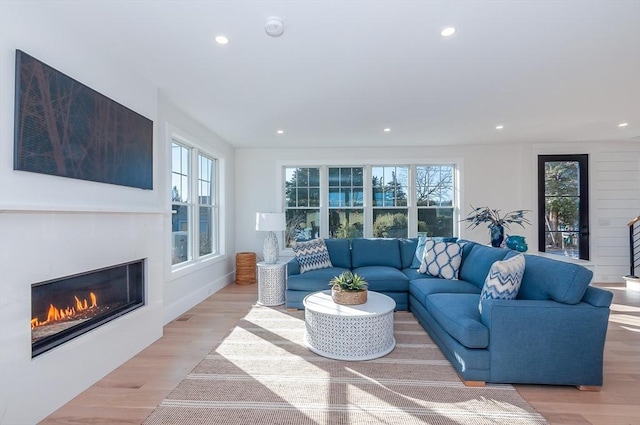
(272, 283)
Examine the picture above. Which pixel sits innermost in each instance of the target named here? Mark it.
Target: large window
(435, 199)
(346, 202)
(193, 204)
(302, 203)
(369, 201)
(389, 192)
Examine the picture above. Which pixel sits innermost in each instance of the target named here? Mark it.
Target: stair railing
(634, 246)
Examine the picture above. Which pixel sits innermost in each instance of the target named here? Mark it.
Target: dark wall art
(65, 128)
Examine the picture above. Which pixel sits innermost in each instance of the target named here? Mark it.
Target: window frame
(196, 151)
(368, 208)
(583, 195)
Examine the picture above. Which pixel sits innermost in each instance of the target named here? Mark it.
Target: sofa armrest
(546, 342)
(293, 267)
(598, 297)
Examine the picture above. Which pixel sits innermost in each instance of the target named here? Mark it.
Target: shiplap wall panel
(615, 195)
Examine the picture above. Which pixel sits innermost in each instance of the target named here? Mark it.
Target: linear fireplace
(64, 308)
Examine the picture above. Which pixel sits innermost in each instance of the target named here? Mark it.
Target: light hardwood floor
(132, 391)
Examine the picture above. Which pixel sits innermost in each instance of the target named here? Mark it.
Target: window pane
(345, 176)
(435, 221)
(336, 198)
(298, 190)
(314, 197)
(357, 197)
(179, 173)
(434, 185)
(314, 177)
(180, 234)
(390, 223)
(346, 223)
(358, 176)
(303, 177)
(562, 178)
(205, 230)
(302, 225)
(303, 197)
(334, 177)
(389, 186)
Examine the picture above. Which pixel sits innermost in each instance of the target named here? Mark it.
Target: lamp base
(270, 250)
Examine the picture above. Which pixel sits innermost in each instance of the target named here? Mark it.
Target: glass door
(563, 205)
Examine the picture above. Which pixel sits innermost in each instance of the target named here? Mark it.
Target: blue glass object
(516, 243)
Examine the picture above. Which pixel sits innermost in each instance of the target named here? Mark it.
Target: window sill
(180, 270)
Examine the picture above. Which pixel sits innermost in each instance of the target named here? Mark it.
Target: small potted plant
(496, 222)
(349, 289)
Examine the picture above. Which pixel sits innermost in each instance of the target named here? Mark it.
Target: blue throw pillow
(417, 258)
(504, 279)
(441, 259)
(312, 255)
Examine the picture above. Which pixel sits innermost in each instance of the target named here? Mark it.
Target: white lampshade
(270, 222)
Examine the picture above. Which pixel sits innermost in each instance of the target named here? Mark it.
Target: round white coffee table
(349, 332)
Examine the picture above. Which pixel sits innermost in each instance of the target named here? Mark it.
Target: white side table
(272, 283)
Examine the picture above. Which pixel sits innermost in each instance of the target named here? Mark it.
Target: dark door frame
(583, 207)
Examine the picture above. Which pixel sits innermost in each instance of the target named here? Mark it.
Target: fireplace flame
(55, 313)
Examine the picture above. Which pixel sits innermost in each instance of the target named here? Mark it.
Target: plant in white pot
(348, 288)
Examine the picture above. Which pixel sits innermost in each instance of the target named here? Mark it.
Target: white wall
(614, 183)
(498, 176)
(52, 227)
(185, 288)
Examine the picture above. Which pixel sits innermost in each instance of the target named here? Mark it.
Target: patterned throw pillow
(312, 255)
(504, 279)
(441, 259)
(417, 258)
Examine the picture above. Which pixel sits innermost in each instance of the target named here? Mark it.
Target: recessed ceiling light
(499, 127)
(447, 31)
(386, 130)
(623, 124)
(221, 39)
(280, 131)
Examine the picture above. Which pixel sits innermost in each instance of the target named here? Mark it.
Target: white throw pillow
(504, 279)
(312, 255)
(441, 259)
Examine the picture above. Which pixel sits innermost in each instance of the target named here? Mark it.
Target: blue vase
(516, 243)
(497, 235)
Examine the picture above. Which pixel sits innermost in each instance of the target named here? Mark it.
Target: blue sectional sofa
(552, 333)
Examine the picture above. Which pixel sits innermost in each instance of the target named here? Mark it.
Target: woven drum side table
(245, 268)
(349, 332)
(272, 283)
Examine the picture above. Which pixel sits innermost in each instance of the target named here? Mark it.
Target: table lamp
(270, 222)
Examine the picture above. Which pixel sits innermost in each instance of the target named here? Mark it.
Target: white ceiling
(549, 71)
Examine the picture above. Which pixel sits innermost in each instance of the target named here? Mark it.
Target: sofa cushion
(441, 259)
(383, 278)
(407, 251)
(503, 280)
(339, 252)
(477, 260)
(312, 255)
(314, 280)
(375, 252)
(427, 285)
(458, 315)
(546, 278)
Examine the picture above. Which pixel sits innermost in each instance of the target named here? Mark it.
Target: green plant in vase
(348, 288)
(496, 222)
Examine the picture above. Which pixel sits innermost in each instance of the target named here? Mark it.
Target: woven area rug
(263, 374)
